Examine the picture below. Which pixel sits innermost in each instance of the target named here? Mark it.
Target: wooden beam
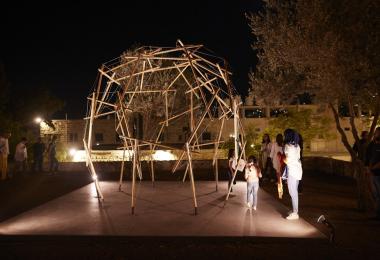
(192, 179)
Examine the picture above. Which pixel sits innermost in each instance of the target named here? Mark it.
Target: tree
(304, 122)
(19, 108)
(327, 48)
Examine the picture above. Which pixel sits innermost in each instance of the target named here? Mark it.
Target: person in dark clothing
(359, 147)
(53, 162)
(38, 155)
(373, 164)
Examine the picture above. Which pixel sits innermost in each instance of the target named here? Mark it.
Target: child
(252, 175)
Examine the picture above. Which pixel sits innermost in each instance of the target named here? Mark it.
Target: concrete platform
(163, 210)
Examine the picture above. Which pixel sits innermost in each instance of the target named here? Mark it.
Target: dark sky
(60, 46)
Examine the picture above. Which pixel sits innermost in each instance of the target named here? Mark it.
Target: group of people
(21, 156)
(284, 157)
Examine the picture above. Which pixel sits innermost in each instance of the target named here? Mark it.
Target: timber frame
(208, 86)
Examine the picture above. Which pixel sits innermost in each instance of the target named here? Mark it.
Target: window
(179, 137)
(98, 137)
(275, 112)
(254, 113)
(73, 137)
(206, 136)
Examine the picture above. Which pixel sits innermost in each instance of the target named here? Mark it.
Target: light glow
(72, 152)
(161, 155)
(38, 120)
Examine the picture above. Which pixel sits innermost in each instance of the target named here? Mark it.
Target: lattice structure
(161, 87)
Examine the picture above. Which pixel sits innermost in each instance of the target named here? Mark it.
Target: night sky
(60, 46)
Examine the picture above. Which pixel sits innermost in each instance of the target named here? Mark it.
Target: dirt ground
(356, 235)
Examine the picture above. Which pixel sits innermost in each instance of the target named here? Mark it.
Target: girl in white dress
(294, 168)
(252, 175)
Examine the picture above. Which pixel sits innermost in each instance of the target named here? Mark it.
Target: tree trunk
(365, 199)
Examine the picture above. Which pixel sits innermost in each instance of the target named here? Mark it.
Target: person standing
(292, 159)
(359, 147)
(38, 155)
(276, 155)
(4, 152)
(52, 153)
(252, 175)
(231, 166)
(21, 156)
(373, 164)
(266, 147)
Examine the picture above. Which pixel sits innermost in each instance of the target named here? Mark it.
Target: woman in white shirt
(266, 147)
(252, 175)
(294, 168)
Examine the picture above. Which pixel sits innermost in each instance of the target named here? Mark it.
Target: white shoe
(292, 216)
(254, 208)
(248, 205)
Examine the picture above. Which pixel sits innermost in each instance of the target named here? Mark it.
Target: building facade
(71, 132)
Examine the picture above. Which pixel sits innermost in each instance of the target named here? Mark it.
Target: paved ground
(163, 210)
(357, 237)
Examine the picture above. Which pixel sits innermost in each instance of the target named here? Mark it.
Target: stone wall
(203, 169)
(325, 165)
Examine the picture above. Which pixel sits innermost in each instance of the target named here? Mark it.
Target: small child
(252, 175)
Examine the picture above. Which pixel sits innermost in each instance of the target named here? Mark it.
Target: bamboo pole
(151, 164)
(109, 77)
(195, 131)
(192, 178)
(142, 76)
(184, 64)
(134, 178)
(122, 163)
(91, 125)
(179, 115)
(236, 129)
(122, 170)
(166, 109)
(93, 172)
(216, 148)
(100, 115)
(216, 175)
(233, 177)
(185, 174)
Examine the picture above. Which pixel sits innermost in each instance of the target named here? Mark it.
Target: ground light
(38, 120)
(72, 152)
(322, 219)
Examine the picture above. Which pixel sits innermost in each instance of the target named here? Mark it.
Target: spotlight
(72, 151)
(322, 219)
(38, 120)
